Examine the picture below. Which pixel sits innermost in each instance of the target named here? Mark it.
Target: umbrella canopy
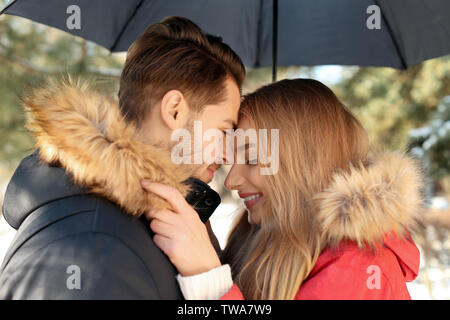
(269, 32)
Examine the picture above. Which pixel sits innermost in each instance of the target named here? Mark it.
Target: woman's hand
(180, 233)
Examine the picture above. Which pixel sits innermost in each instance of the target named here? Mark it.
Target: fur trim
(372, 200)
(86, 134)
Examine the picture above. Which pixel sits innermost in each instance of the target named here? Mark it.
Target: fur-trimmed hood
(372, 200)
(85, 133)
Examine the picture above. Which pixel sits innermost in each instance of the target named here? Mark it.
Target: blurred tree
(391, 102)
(432, 142)
(31, 53)
(258, 77)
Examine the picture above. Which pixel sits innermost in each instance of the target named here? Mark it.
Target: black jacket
(74, 203)
(62, 225)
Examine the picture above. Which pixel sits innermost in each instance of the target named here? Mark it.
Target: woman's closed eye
(251, 158)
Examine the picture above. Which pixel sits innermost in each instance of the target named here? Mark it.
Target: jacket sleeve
(80, 266)
(214, 284)
(233, 294)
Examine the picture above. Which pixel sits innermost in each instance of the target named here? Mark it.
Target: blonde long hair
(318, 135)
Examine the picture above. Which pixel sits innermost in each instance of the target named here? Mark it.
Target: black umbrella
(390, 33)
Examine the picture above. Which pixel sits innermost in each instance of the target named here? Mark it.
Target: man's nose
(234, 180)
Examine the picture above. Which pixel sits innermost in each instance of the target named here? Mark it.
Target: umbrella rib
(258, 35)
(394, 40)
(7, 7)
(275, 40)
(113, 47)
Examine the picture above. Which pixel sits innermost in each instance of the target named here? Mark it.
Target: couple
(102, 212)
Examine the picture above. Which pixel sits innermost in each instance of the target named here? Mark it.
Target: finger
(154, 213)
(163, 243)
(170, 194)
(151, 214)
(162, 228)
(164, 215)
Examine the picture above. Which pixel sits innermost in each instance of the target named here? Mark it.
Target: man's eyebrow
(232, 122)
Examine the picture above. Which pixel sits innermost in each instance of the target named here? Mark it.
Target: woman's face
(247, 179)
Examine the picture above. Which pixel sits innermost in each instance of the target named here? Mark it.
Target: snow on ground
(6, 236)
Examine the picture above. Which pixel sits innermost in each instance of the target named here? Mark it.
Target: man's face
(220, 116)
(173, 113)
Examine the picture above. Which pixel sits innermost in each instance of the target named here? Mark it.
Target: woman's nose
(234, 179)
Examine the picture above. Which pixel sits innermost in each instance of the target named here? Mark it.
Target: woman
(332, 223)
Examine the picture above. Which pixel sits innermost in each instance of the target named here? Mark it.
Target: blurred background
(401, 110)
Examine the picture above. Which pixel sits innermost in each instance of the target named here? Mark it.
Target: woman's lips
(251, 199)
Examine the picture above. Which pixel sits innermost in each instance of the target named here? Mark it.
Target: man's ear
(174, 109)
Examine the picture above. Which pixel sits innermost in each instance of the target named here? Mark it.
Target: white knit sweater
(211, 285)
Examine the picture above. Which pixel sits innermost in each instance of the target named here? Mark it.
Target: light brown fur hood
(87, 135)
(372, 200)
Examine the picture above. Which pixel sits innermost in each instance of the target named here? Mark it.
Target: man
(77, 201)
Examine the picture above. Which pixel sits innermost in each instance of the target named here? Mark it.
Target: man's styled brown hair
(176, 54)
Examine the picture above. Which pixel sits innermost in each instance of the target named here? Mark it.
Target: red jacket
(364, 207)
(355, 274)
